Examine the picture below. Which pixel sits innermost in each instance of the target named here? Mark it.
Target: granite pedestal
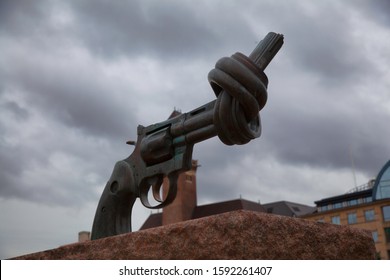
(233, 235)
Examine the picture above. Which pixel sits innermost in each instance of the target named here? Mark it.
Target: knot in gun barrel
(241, 90)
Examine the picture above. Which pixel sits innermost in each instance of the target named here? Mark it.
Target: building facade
(366, 207)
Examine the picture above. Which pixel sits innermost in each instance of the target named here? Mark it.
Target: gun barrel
(266, 50)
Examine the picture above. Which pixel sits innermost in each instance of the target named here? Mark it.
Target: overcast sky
(77, 77)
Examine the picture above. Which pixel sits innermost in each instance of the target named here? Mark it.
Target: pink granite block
(233, 235)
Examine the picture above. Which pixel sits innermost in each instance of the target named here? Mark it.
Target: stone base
(233, 235)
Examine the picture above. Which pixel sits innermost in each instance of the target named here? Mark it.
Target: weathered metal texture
(165, 149)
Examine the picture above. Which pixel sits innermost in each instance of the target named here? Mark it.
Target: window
(296, 209)
(387, 234)
(369, 215)
(352, 202)
(386, 213)
(352, 219)
(368, 199)
(336, 220)
(337, 205)
(382, 185)
(321, 220)
(189, 178)
(324, 207)
(375, 236)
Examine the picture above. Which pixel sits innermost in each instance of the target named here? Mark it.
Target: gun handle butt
(113, 214)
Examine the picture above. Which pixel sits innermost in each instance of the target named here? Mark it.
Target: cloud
(377, 11)
(20, 17)
(165, 30)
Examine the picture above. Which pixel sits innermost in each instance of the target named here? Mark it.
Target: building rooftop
(287, 208)
(226, 206)
(345, 197)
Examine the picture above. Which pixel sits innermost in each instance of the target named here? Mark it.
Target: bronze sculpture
(165, 148)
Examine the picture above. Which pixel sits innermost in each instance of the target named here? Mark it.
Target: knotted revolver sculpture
(165, 149)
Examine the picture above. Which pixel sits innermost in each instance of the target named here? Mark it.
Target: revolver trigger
(155, 183)
(152, 186)
(156, 188)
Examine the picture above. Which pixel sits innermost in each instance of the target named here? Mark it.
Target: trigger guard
(171, 195)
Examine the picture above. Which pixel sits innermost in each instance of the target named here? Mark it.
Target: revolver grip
(113, 214)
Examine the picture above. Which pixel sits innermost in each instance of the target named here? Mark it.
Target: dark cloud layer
(166, 30)
(21, 17)
(76, 77)
(377, 11)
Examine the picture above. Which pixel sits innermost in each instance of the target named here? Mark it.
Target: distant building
(84, 236)
(366, 207)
